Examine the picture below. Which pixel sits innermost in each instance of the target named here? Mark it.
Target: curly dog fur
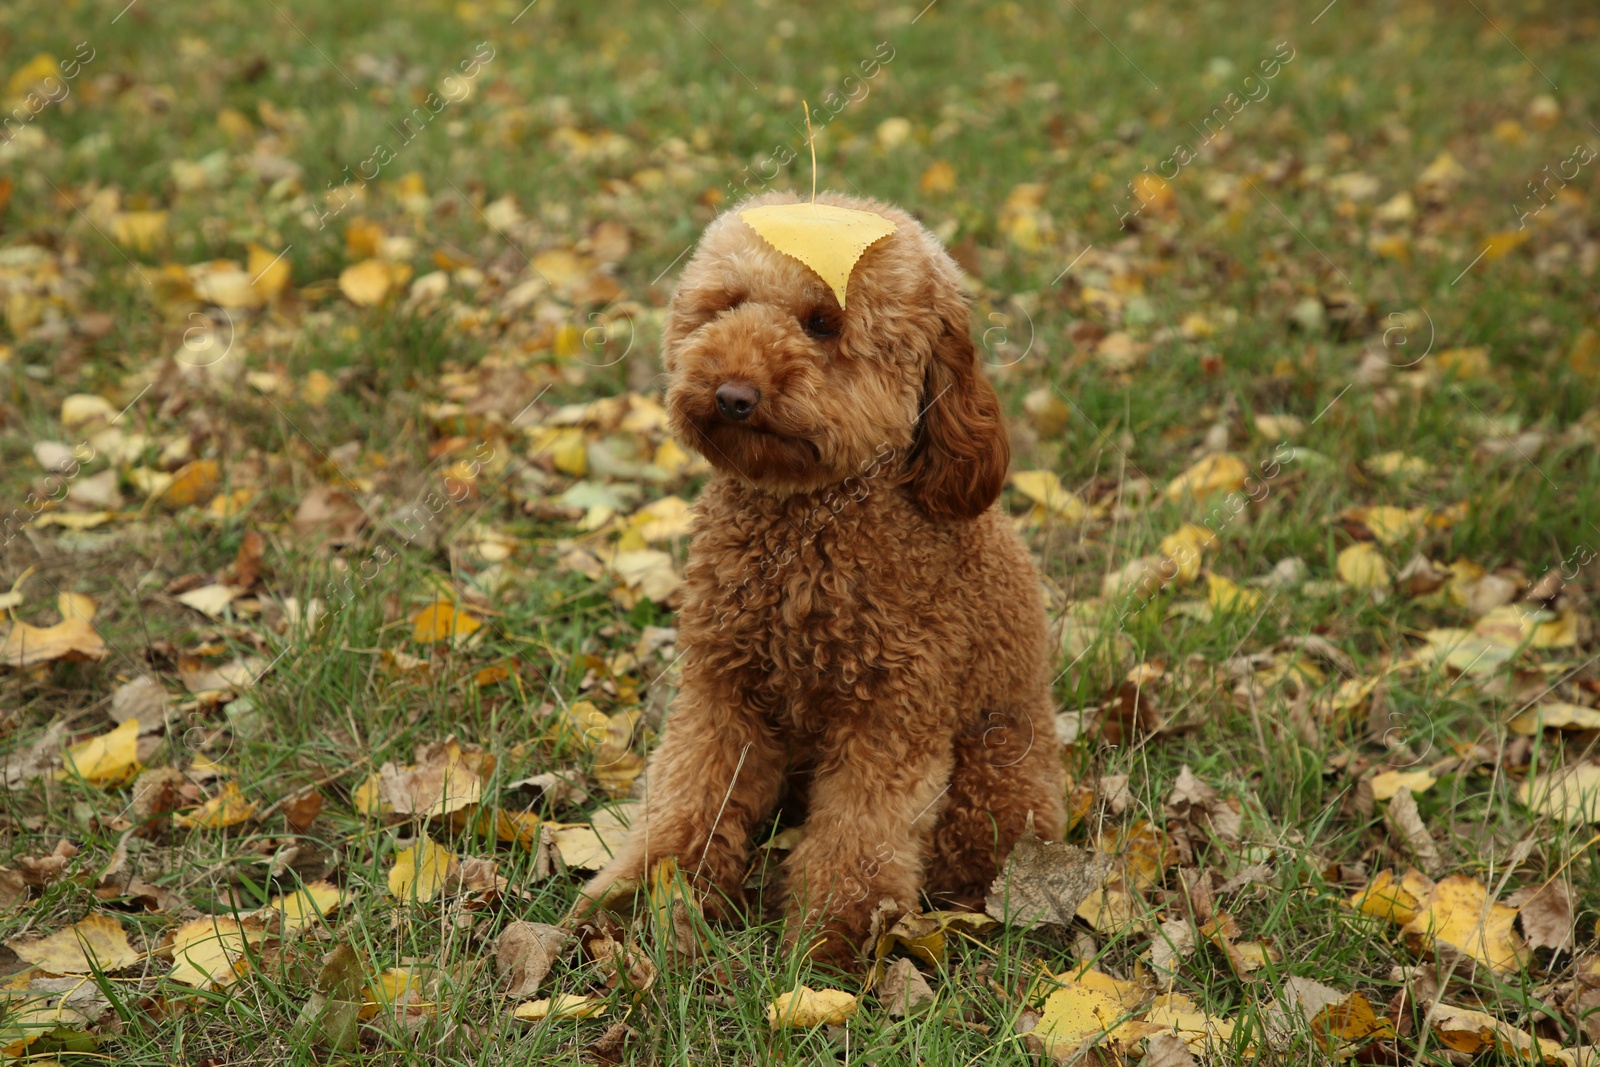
(858, 616)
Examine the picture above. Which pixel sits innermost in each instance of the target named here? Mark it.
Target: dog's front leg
(873, 805)
(716, 772)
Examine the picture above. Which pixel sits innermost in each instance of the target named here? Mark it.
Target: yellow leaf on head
(830, 240)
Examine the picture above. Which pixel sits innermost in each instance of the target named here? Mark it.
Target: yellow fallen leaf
(228, 808)
(269, 271)
(307, 904)
(1213, 474)
(1399, 901)
(646, 572)
(75, 606)
(1154, 193)
(672, 458)
(1362, 567)
(580, 846)
(442, 621)
(32, 74)
(79, 409)
(939, 178)
(1458, 913)
(366, 283)
(1045, 489)
(419, 872)
(1223, 594)
(1467, 652)
(30, 1019)
(211, 951)
(566, 446)
(804, 1007)
(830, 240)
(1514, 625)
(1389, 525)
(1442, 173)
(1472, 1032)
(75, 520)
(446, 778)
(1397, 463)
(95, 943)
(139, 230)
(211, 599)
(669, 517)
(1555, 715)
(111, 757)
(224, 284)
(1571, 794)
(1178, 1015)
(70, 639)
(1075, 1014)
(317, 388)
(1387, 784)
(362, 238)
(403, 991)
(1186, 547)
(562, 1006)
(1464, 362)
(192, 483)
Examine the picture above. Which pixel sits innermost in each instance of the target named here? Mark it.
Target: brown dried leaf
(524, 954)
(902, 989)
(1545, 912)
(1044, 882)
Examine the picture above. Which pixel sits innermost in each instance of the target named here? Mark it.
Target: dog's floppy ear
(960, 452)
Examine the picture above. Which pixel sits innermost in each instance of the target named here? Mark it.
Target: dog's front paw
(842, 935)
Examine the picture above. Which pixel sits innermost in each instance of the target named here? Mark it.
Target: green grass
(696, 98)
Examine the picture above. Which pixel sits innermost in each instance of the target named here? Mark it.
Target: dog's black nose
(736, 400)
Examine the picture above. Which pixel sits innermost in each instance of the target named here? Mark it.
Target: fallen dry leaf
(1398, 900)
(1546, 914)
(192, 484)
(1044, 882)
(1555, 715)
(1362, 566)
(902, 990)
(420, 872)
(1052, 498)
(804, 1007)
(332, 1015)
(212, 950)
(1213, 474)
(1571, 794)
(306, 905)
(1403, 819)
(1387, 783)
(111, 757)
(95, 944)
(564, 1006)
(524, 954)
(1459, 916)
(228, 808)
(442, 621)
(447, 777)
(365, 284)
(72, 639)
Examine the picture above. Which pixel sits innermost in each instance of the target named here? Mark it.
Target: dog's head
(770, 379)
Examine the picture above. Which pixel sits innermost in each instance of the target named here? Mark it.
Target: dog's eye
(819, 326)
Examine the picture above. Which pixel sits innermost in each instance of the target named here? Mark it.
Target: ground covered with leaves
(341, 533)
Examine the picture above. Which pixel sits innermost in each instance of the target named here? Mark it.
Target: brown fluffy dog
(861, 624)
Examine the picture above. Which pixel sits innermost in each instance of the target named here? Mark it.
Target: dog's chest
(809, 600)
